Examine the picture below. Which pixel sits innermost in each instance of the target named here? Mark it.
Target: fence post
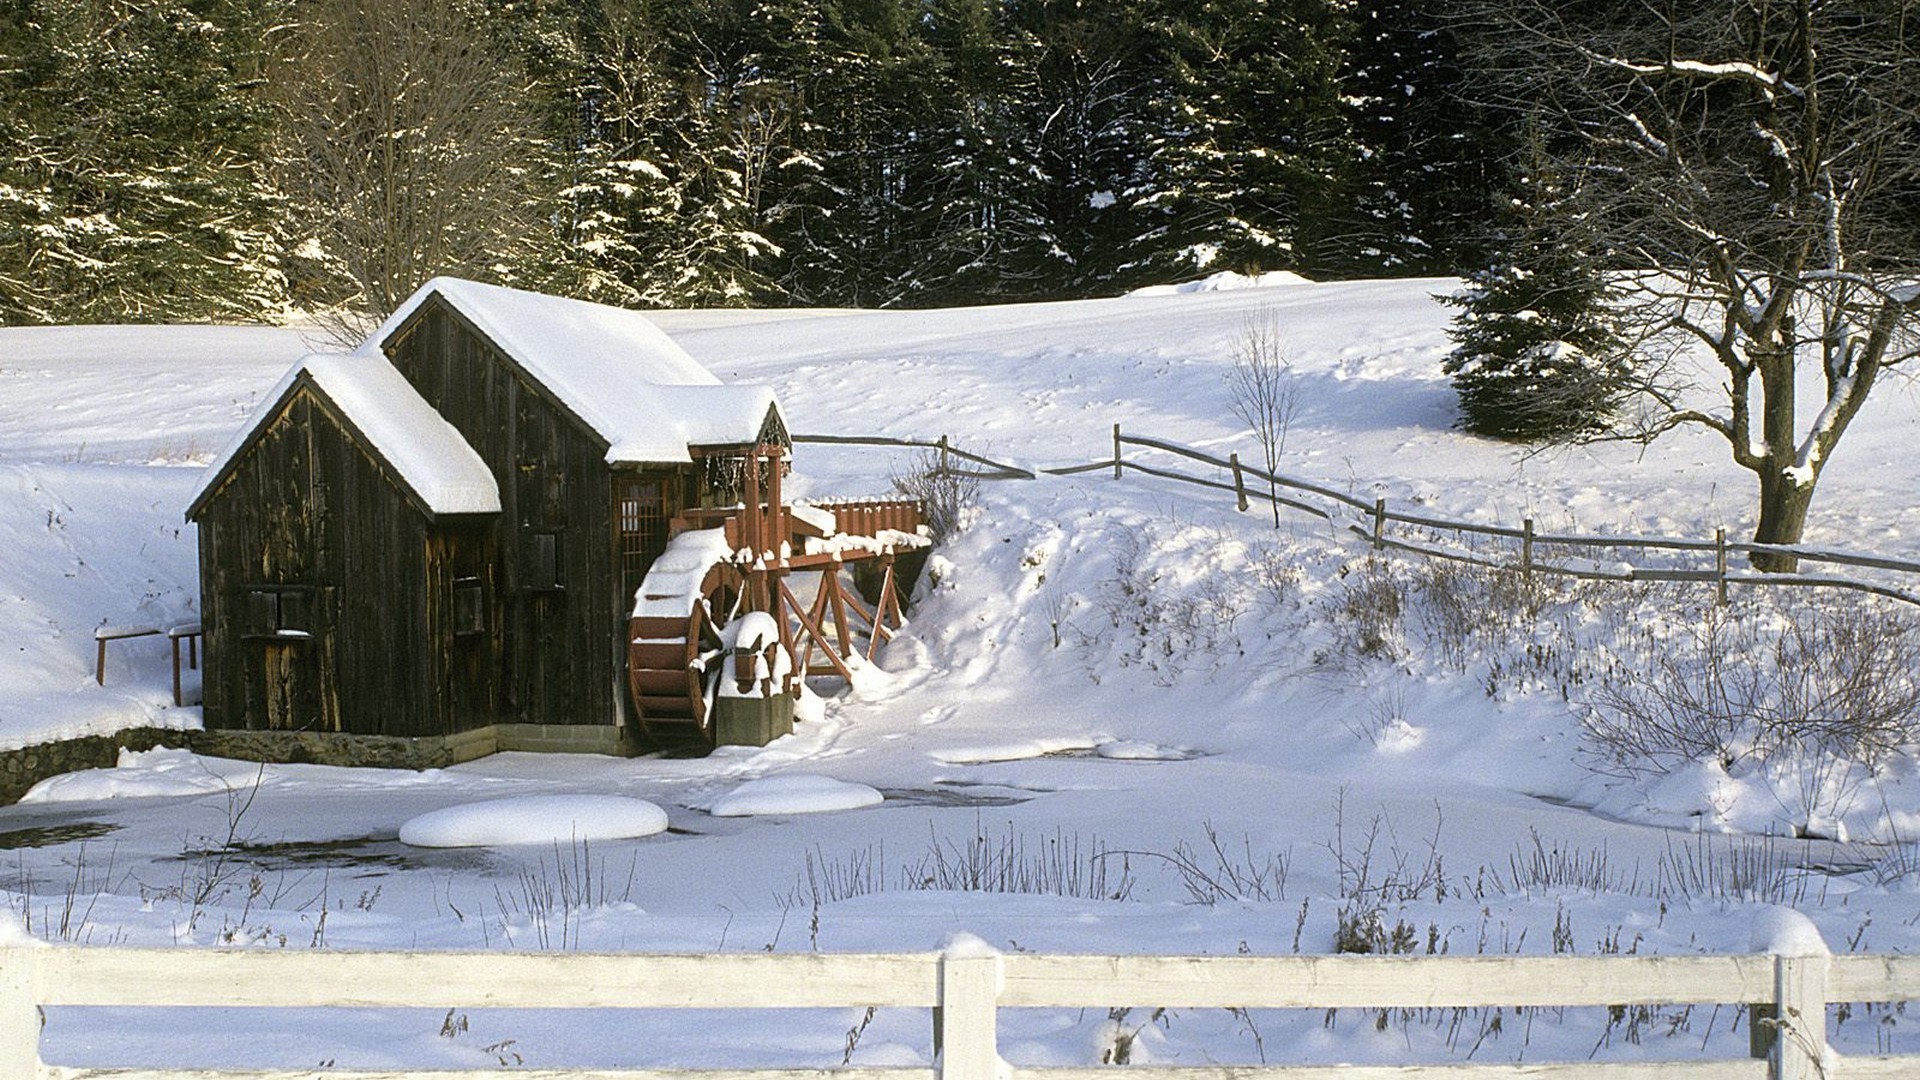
(1239, 481)
(1800, 1021)
(1379, 519)
(19, 1014)
(946, 461)
(1116, 451)
(1526, 547)
(1720, 565)
(966, 1032)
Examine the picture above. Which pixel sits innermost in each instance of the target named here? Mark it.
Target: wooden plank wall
(306, 509)
(561, 651)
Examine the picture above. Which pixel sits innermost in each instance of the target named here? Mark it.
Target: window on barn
(543, 563)
(279, 611)
(640, 515)
(469, 606)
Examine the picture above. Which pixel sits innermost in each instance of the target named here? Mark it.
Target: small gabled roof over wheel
(621, 375)
(393, 424)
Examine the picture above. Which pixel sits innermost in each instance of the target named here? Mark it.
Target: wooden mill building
(436, 540)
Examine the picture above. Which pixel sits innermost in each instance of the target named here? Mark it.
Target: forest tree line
(168, 160)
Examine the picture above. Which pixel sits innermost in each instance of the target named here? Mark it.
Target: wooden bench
(188, 632)
(104, 634)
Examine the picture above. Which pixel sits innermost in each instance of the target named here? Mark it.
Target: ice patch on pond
(1021, 750)
(1132, 750)
(794, 793)
(1091, 746)
(535, 819)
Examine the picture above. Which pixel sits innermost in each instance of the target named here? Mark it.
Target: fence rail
(966, 987)
(1370, 521)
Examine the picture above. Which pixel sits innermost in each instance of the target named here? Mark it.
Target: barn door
(283, 677)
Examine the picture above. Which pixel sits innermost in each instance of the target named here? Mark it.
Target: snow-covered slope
(1181, 729)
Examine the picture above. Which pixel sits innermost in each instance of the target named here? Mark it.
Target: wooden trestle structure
(726, 562)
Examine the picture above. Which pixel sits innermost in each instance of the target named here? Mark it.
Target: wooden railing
(966, 986)
(854, 517)
(1712, 559)
(868, 517)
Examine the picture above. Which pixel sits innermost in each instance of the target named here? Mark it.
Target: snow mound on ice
(794, 793)
(143, 774)
(1224, 281)
(535, 819)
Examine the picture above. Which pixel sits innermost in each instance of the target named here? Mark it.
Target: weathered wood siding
(562, 655)
(369, 647)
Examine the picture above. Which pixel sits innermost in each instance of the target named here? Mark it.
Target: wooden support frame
(104, 634)
(812, 627)
(805, 627)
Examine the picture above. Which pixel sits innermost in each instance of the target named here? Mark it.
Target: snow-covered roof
(614, 369)
(424, 451)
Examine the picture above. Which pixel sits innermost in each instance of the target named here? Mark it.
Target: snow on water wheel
(673, 651)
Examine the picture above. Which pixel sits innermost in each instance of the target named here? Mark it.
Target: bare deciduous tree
(1749, 171)
(413, 144)
(1264, 394)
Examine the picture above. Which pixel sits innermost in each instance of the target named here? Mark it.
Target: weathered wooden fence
(966, 987)
(1700, 560)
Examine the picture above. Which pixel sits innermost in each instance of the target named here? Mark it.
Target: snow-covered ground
(1125, 718)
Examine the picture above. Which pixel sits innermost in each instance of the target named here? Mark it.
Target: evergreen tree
(1538, 347)
(852, 232)
(1090, 113)
(131, 178)
(974, 173)
(1251, 151)
(1432, 150)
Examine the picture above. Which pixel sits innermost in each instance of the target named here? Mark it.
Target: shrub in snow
(1815, 701)
(1533, 356)
(947, 496)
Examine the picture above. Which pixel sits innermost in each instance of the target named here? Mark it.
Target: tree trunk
(1783, 514)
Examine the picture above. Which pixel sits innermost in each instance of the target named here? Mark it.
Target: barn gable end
(324, 573)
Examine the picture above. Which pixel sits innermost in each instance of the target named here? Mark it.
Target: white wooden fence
(965, 987)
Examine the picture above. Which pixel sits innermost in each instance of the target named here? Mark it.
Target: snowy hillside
(1124, 717)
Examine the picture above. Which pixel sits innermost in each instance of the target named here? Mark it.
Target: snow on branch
(1735, 70)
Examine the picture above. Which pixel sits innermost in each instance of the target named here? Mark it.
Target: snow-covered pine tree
(1429, 151)
(982, 236)
(130, 167)
(1538, 351)
(1087, 120)
(1251, 147)
(850, 228)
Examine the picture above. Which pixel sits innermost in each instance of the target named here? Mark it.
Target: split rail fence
(1698, 560)
(966, 987)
